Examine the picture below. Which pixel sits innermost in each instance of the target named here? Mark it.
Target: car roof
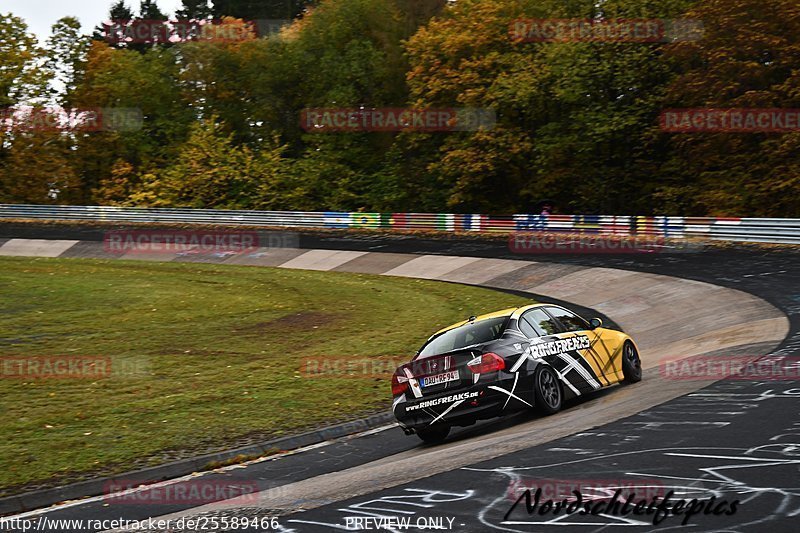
(497, 314)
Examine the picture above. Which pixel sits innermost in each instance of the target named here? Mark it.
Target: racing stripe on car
(513, 388)
(430, 412)
(452, 406)
(616, 356)
(574, 363)
(585, 373)
(601, 368)
(568, 383)
(522, 358)
(591, 359)
(510, 394)
(613, 356)
(413, 384)
(397, 401)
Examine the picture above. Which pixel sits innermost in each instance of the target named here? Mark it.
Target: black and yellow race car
(535, 356)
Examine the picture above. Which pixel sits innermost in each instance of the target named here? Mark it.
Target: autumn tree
(34, 163)
(344, 54)
(212, 81)
(576, 122)
(571, 115)
(143, 82)
(748, 58)
(22, 79)
(37, 169)
(211, 172)
(67, 51)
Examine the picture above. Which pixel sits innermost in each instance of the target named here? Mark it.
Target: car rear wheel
(547, 391)
(433, 435)
(631, 364)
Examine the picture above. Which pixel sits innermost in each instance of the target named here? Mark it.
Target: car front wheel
(631, 364)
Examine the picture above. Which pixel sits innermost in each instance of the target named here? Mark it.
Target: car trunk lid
(444, 372)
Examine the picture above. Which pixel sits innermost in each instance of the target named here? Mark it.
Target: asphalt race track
(730, 440)
(715, 443)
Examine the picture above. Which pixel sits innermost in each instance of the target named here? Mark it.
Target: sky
(41, 14)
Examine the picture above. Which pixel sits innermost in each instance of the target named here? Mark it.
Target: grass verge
(202, 357)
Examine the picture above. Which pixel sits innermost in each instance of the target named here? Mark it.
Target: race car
(536, 356)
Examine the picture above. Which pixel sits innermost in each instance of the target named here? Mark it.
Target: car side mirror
(595, 323)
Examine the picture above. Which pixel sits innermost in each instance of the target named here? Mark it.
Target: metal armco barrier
(767, 230)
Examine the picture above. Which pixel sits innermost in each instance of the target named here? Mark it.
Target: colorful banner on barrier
(737, 229)
(582, 224)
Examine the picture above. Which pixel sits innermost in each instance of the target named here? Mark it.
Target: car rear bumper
(463, 406)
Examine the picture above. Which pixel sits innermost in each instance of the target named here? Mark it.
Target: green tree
(212, 172)
(456, 63)
(212, 81)
(747, 59)
(120, 17)
(22, 78)
(343, 54)
(37, 169)
(594, 149)
(148, 13)
(572, 117)
(67, 50)
(194, 10)
(146, 82)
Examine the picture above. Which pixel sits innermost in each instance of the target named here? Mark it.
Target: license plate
(439, 378)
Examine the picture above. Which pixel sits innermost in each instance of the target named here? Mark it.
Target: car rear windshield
(463, 336)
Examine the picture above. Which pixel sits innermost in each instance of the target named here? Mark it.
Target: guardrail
(767, 230)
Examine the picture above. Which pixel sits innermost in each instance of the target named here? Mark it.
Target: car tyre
(433, 435)
(547, 391)
(631, 364)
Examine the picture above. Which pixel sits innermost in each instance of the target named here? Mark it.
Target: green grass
(204, 357)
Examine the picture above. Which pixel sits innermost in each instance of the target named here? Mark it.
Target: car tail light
(488, 362)
(399, 383)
